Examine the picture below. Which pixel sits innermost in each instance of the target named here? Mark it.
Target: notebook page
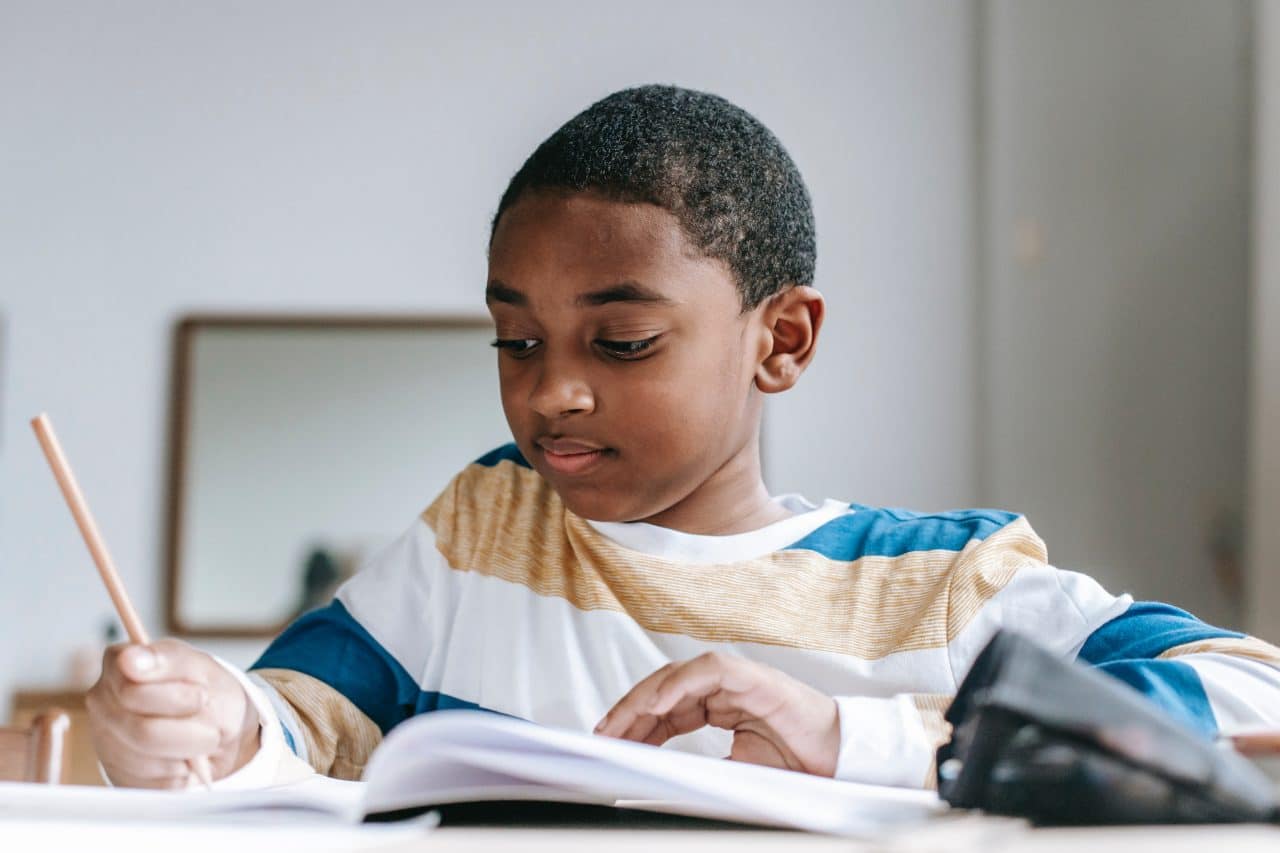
(449, 756)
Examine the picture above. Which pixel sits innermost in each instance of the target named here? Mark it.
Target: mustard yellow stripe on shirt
(1245, 647)
(505, 521)
(339, 737)
(932, 708)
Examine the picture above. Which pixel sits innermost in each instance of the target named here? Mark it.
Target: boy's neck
(732, 500)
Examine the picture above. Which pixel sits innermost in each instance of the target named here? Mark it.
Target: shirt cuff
(883, 741)
(264, 768)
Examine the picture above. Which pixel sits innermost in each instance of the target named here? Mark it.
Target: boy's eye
(515, 346)
(626, 349)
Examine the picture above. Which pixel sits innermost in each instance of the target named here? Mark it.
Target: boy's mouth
(570, 456)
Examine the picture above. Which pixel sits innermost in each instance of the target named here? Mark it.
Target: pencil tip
(200, 766)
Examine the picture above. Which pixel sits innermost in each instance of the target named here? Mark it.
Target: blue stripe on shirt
(872, 532)
(330, 645)
(505, 453)
(1172, 685)
(1127, 648)
(1146, 630)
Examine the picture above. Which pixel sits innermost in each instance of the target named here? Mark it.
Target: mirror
(301, 445)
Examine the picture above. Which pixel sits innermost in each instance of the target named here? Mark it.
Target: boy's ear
(792, 319)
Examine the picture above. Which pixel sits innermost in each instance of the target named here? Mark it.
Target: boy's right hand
(156, 707)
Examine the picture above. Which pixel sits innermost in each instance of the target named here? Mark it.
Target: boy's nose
(561, 392)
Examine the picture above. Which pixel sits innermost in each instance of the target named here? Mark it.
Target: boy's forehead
(586, 227)
(581, 242)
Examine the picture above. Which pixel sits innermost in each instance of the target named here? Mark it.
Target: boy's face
(626, 362)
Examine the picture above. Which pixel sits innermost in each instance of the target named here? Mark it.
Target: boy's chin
(595, 506)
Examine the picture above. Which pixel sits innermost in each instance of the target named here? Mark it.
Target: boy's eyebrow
(626, 291)
(496, 291)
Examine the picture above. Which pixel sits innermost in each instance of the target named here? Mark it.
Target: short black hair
(721, 173)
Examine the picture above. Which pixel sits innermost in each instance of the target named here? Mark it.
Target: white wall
(1263, 612)
(1116, 209)
(162, 157)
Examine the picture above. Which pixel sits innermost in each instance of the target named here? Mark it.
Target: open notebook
(452, 757)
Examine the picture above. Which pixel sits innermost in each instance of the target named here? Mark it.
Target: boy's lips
(570, 456)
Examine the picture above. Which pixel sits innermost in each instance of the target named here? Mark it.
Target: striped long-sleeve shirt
(500, 598)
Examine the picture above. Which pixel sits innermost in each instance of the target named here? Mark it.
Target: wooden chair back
(38, 753)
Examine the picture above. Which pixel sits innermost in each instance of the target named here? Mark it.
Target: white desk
(968, 834)
(1208, 839)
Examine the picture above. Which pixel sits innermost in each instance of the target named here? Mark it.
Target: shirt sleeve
(340, 677)
(1215, 681)
(891, 740)
(999, 583)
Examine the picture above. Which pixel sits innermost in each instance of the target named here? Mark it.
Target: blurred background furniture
(36, 752)
(79, 759)
(299, 444)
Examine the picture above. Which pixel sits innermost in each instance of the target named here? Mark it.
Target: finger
(690, 714)
(163, 699)
(656, 737)
(120, 669)
(730, 687)
(630, 709)
(687, 715)
(147, 772)
(111, 674)
(754, 748)
(657, 730)
(668, 703)
(636, 701)
(141, 663)
(713, 689)
(620, 717)
(163, 737)
(166, 660)
(724, 710)
(701, 677)
(123, 778)
(124, 765)
(640, 729)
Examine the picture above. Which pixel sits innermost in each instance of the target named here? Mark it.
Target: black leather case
(1061, 743)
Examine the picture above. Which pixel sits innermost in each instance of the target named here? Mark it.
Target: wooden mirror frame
(180, 399)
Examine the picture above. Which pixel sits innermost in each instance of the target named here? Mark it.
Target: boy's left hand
(775, 720)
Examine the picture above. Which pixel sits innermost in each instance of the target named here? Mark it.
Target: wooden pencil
(98, 550)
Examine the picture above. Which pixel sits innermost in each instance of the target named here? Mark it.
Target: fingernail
(144, 661)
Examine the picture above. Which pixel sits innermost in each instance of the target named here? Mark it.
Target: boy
(622, 565)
